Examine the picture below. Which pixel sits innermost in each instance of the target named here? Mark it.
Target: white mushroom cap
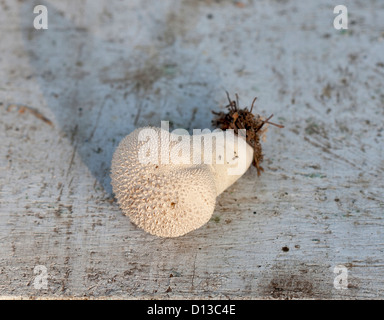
(167, 200)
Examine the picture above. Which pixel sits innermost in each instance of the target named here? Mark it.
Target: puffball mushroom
(172, 199)
(167, 183)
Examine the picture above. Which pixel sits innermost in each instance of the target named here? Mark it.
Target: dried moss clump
(255, 126)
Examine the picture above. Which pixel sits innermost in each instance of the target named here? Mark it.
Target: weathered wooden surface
(105, 67)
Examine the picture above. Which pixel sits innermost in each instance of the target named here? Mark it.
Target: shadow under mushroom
(99, 90)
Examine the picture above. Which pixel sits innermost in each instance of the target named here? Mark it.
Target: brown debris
(22, 109)
(255, 126)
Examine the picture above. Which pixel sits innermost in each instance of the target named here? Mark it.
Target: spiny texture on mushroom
(167, 200)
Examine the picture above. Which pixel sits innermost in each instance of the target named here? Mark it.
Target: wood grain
(101, 70)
